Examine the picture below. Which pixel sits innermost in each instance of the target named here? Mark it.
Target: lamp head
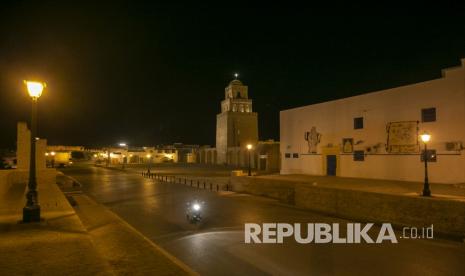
(425, 137)
(34, 88)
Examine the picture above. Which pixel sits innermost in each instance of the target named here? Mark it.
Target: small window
(288, 155)
(431, 153)
(359, 155)
(358, 123)
(428, 115)
(295, 155)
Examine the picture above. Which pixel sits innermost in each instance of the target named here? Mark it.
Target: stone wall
(24, 148)
(447, 216)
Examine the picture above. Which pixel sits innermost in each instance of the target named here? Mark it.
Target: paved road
(216, 246)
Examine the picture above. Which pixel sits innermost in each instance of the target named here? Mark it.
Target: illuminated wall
(380, 144)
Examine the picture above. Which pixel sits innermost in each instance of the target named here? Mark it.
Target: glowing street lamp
(149, 161)
(53, 158)
(425, 137)
(31, 212)
(249, 148)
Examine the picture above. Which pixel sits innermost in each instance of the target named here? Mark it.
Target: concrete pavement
(62, 245)
(57, 246)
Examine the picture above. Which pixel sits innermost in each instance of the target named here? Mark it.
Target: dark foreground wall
(447, 216)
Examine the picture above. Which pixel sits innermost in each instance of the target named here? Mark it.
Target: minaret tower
(236, 125)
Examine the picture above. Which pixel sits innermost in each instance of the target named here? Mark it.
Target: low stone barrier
(447, 216)
(280, 190)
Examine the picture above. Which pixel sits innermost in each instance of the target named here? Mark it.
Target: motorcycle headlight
(196, 207)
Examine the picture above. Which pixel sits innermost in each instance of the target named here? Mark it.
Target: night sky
(149, 74)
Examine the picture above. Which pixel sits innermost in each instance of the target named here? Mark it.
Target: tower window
(428, 115)
(238, 94)
(358, 123)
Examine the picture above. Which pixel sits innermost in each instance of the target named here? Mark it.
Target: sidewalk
(451, 191)
(57, 246)
(96, 242)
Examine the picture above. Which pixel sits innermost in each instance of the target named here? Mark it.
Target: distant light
(236, 75)
(196, 207)
(34, 88)
(249, 146)
(122, 144)
(425, 137)
(52, 153)
(46, 154)
(148, 155)
(95, 155)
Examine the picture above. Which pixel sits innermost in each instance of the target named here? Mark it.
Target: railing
(198, 183)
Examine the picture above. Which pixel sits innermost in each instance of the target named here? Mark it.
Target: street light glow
(34, 88)
(122, 144)
(249, 146)
(52, 153)
(425, 137)
(148, 155)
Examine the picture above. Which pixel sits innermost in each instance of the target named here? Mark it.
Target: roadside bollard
(211, 186)
(227, 187)
(217, 187)
(204, 184)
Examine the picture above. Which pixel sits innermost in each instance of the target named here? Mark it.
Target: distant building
(237, 127)
(376, 135)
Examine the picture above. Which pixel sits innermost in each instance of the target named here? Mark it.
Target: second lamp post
(425, 137)
(249, 148)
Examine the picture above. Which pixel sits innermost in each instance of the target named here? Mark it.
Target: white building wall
(334, 120)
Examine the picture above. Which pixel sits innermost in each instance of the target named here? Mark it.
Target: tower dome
(235, 82)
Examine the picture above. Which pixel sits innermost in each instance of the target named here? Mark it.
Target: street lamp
(124, 145)
(425, 137)
(53, 158)
(249, 148)
(149, 160)
(31, 212)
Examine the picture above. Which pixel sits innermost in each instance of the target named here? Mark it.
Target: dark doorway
(331, 165)
(263, 164)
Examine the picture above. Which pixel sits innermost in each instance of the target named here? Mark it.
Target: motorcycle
(193, 213)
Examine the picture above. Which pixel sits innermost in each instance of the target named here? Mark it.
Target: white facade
(312, 136)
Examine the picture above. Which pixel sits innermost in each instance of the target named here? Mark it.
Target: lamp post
(31, 212)
(53, 158)
(249, 148)
(149, 160)
(125, 146)
(425, 137)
